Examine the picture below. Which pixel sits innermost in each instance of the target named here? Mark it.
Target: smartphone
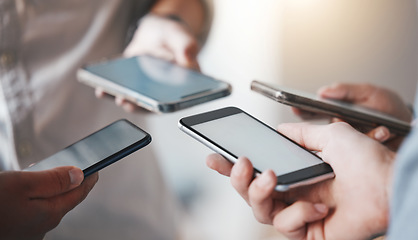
(152, 83)
(349, 112)
(98, 150)
(232, 133)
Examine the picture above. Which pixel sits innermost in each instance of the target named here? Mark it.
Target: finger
(44, 184)
(334, 120)
(184, 46)
(126, 105)
(69, 200)
(99, 92)
(63, 203)
(260, 197)
(293, 220)
(129, 107)
(315, 137)
(308, 115)
(242, 174)
(119, 101)
(220, 164)
(346, 92)
(380, 134)
(191, 52)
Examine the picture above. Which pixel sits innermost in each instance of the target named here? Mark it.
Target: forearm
(192, 12)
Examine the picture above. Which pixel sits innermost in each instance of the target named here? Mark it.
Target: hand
(33, 203)
(163, 38)
(369, 96)
(353, 205)
(377, 98)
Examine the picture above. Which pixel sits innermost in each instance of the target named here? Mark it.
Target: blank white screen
(243, 136)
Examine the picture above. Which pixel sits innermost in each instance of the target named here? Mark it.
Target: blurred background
(304, 44)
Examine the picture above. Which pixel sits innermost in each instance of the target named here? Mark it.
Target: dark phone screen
(115, 138)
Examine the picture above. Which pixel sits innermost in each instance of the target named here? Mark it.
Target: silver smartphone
(153, 83)
(234, 133)
(349, 112)
(98, 150)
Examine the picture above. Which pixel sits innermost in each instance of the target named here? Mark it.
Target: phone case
(348, 112)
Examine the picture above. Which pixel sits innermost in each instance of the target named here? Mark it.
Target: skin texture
(35, 202)
(353, 205)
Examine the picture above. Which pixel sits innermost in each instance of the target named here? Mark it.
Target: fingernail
(380, 135)
(76, 176)
(263, 180)
(321, 208)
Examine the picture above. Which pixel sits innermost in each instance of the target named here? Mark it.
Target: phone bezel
(300, 177)
(122, 153)
(109, 159)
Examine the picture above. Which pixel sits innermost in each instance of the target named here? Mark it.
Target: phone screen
(157, 79)
(244, 136)
(234, 133)
(98, 149)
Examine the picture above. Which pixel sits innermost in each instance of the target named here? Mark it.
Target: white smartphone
(99, 149)
(234, 133)
(349, 112)
(153, 83)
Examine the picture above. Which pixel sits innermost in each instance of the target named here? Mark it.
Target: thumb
(293, 221)
(311, 137)
(316, 137)
(49, 183)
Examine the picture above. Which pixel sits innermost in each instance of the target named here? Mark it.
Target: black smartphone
(234, 133)
(99, 149)
(349, 112)
(152, 83)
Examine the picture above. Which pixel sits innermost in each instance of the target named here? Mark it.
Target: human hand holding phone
(374, 97)
(353, 205)
(152, 83)
(99, 149)
(370, 109)
(160, 37)
(33, 203)
(367, 95)
(232, 132)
